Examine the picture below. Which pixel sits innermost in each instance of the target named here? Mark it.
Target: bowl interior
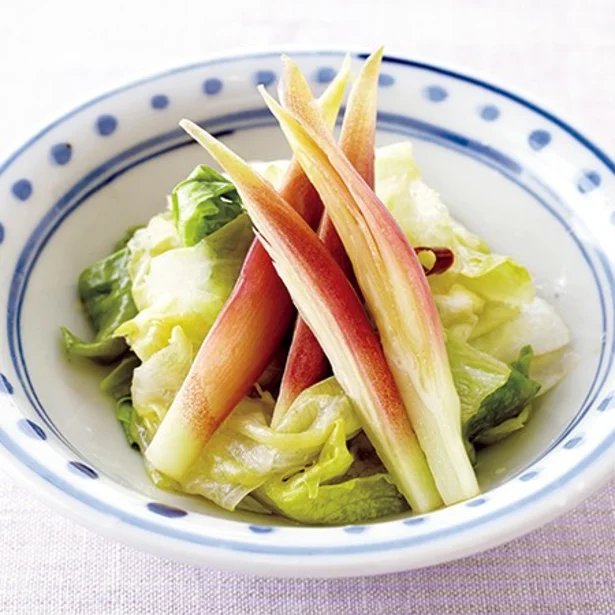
(514, 190)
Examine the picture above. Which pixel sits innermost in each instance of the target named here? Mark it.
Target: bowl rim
(141, 538)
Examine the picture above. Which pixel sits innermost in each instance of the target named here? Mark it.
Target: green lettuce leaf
(105, 291)
(117, 384)
(203, 203)
(128, 418)
(503, 430)
(118, 381)
(476, 374)
(508, 401)
(307, 497)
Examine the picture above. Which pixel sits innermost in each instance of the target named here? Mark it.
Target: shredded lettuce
(203, 203)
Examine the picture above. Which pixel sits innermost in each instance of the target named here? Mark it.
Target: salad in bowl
(316, 338)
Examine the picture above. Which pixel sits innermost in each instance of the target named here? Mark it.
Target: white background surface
(55, 55)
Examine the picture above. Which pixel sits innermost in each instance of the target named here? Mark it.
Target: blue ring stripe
(245, 547)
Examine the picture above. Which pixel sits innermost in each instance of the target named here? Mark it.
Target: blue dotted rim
(402, 542)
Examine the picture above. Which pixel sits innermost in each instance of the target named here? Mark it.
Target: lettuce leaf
(307, 497)
(477, 375)
(503, 430)
(426, 221)
(178, 286)
(117, 384)
(551, 368)
(156, 382)
(118, 381)
(459, 310)
(203, 203)
(508, 401)
(128, 418)
(245, 452)
(105, 290)
(537, 325)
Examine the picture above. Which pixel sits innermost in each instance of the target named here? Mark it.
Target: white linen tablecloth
(54, 55)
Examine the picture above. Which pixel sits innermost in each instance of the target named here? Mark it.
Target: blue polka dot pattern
(476, 502)
(5, 385)
(22, 189)
(414, 521)
(435, 93)
(61, 153)
(212, 86)
(385, 80)
(166, 511)
(539, 139)
(264, 77)
(324, 74)
(489, 113)
(573, 442)
(1, 232)
(528, 476)
(160, 101)
(606, 404)
(355, 529)
(81, 468)
(590, 180)
(260, 529)
(31, 429)
(106, 125)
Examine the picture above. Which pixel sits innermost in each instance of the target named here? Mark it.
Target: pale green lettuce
(426, 221)
(245, 452)
(175, 286)
(537, 324)
(506, 402)
(316, 495)
(476, 374)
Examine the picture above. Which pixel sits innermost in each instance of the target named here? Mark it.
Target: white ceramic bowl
(522, 178)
